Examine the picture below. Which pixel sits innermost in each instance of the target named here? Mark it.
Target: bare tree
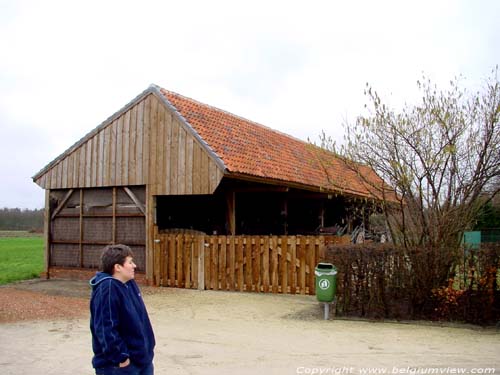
(439, 159)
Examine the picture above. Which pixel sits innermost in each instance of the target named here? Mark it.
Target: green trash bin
(326, 282)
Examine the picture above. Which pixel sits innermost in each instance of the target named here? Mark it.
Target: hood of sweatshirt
(98, 278)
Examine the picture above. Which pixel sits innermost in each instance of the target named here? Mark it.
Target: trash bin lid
(331, 272)
(325, 269)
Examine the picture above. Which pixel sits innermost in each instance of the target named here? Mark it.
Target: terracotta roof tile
(248, 148)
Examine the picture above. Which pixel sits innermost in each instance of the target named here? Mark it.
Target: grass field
(21, 256)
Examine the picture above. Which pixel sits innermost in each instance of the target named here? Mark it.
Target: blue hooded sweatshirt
(119, 323)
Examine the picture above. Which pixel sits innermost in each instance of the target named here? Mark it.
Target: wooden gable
(146, 143)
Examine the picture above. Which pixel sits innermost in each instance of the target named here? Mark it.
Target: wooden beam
(136, 201)
(113, 225)
(231, 213)
(61, 205)
(46, 232)
(149, 253)
(80, 242)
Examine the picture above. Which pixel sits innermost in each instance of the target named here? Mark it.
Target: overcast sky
(296, 66)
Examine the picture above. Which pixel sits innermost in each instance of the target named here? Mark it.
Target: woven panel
(98, 229)
(66, 229)
(139, 257)
(92, 256)
(130, 230)
(65, 255)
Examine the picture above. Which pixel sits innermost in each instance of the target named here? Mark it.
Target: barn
(205, 198)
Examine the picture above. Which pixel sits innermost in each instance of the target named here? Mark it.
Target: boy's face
(127, 271)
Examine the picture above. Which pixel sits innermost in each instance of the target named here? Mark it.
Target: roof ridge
(233, 115)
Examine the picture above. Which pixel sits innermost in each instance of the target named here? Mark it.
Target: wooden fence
(277, 264)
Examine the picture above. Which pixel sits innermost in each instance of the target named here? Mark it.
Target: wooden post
(201, 263)
(46, 231)
(80, 244)
(150, 208)
(113, 226)
(231, 213)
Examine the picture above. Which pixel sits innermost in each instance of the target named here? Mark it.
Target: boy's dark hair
(114, 254)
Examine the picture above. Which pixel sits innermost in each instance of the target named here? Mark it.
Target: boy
(122, 336)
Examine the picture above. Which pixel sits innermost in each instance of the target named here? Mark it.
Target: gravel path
(44, 330)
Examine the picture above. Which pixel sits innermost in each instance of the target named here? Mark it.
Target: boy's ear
(116, 268)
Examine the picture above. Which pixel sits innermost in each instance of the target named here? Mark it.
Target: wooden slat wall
(146, 145)
(283, 264)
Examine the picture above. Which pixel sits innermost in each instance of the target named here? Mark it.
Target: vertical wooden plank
(46, 177)
(59, 174)
(53, 177)
(284, 264)
(146, 139)
(301, 252)
(214, 262)
(171, 260)
(311, 250)
(265, 264)
(322, 248)
(46, 233)
(212, 176)
(95, 163)
(88, 164)
(231, 212)
(69, 171)
(153, 146)
(223, 262)
(80, 242)
(181, 163)
(101, 157)
(167, 151)
(160, 150)
(95, 159)
(232, 263)
(293, 267)
(189, 165)
(196, 169)
(207, 249)
(239, 261)
(150, 209)
(163, 259)
(174, 154)
(157, 257)
(125, 148)
(201, 263)
(113, 224)
(195, 262)
(179, 262)
(274, 264)
(132, 176)
(81, 166)
(257, 260)
(204, 177)
(106, 152)
(119, 151)
(76, 166)
(248, 265)
(188, 252)
(139, 177)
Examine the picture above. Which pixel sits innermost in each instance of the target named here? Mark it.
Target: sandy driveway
(239, 333)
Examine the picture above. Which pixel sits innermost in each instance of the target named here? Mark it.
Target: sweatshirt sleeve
(106, 323)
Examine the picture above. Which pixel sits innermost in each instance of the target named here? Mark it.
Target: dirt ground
(234, 333)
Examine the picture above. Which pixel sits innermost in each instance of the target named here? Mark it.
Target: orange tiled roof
(248, 148)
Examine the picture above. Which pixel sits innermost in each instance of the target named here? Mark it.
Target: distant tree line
(21, 219)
